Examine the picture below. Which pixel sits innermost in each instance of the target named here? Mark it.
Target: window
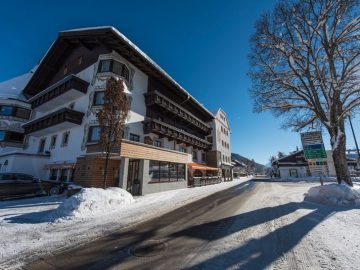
(14, 111)
(94, 134)
(194, 154)
(158, 143)
(172, 172)
(293, 173)
(203, 157)
(115, 67)
(42, 145)
(166, 171)
(160, 118)
(53, 174)
(65, 69)
(22, 113)
(181, 171)
(80, 59)
(53, 141)
(63, 174)
(182, 149)
(98, 98)
(15, 137)
(6, 110)
(209, 139)
(65, 138)
(104, 65)
(134, 137)
(2, 135)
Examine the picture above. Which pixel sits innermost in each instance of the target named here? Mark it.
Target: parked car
(53, 187)
(19, 185)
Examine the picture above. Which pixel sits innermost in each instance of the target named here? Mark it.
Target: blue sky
(203, 45)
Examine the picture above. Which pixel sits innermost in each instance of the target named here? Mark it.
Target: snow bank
(335, 194)
(90, 202)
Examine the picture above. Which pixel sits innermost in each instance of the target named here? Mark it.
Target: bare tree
(112, 119)
(305, 67)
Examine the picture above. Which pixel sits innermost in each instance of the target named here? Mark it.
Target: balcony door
(133, 180)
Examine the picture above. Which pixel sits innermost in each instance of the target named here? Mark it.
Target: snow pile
(90, 202)
(335, 194)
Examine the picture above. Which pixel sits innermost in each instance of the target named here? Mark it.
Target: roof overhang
(108, 38)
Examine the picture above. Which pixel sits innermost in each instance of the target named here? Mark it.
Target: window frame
(90, 132)
(66, 135)
(179, 167)
(158, 141)
(53, 141)
(125, 75)
(41, 146)
(133, 135)
(96, 93)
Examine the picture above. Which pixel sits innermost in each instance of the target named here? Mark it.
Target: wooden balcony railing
(65, 85)
(52, 119)
(155, 98)
(163, 129)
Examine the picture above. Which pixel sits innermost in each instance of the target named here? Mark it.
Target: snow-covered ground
(29, 230)
(275, 219)
(314, 179)
(277, 229)
(335, 194)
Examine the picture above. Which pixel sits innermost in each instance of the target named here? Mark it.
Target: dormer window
(115, 67)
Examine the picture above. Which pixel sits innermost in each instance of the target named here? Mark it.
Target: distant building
(295, 165)
(220, 153)
(239, 168)
(291, 166)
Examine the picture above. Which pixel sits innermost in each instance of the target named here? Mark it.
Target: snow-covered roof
(124, 39)
(13, 88)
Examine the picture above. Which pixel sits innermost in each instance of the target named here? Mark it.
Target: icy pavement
(28, 231)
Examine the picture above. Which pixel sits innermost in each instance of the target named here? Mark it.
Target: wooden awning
(201, 167)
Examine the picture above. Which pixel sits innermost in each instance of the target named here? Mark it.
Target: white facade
(221, 136)
(63, 122)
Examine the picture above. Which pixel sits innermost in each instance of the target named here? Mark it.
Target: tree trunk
(338, 144)
(106, 167)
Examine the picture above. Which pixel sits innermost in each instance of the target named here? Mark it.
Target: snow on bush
(335, 194)
(90, 202)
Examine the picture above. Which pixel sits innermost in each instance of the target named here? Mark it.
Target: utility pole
(356, 144)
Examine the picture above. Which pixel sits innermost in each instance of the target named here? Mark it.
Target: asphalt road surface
(190, 237)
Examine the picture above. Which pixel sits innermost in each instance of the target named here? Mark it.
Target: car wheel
(54, 191)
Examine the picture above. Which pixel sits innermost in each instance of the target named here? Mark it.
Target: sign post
(315, 153)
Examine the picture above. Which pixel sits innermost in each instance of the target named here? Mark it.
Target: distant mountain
(259, 167)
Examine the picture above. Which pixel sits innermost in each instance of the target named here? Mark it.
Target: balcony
(56, 121)
(155, 98)
(70, 88)
(165, 130)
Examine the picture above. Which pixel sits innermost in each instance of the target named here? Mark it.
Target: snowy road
(252, 225)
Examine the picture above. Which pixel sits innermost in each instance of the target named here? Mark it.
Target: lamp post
(356, 144)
